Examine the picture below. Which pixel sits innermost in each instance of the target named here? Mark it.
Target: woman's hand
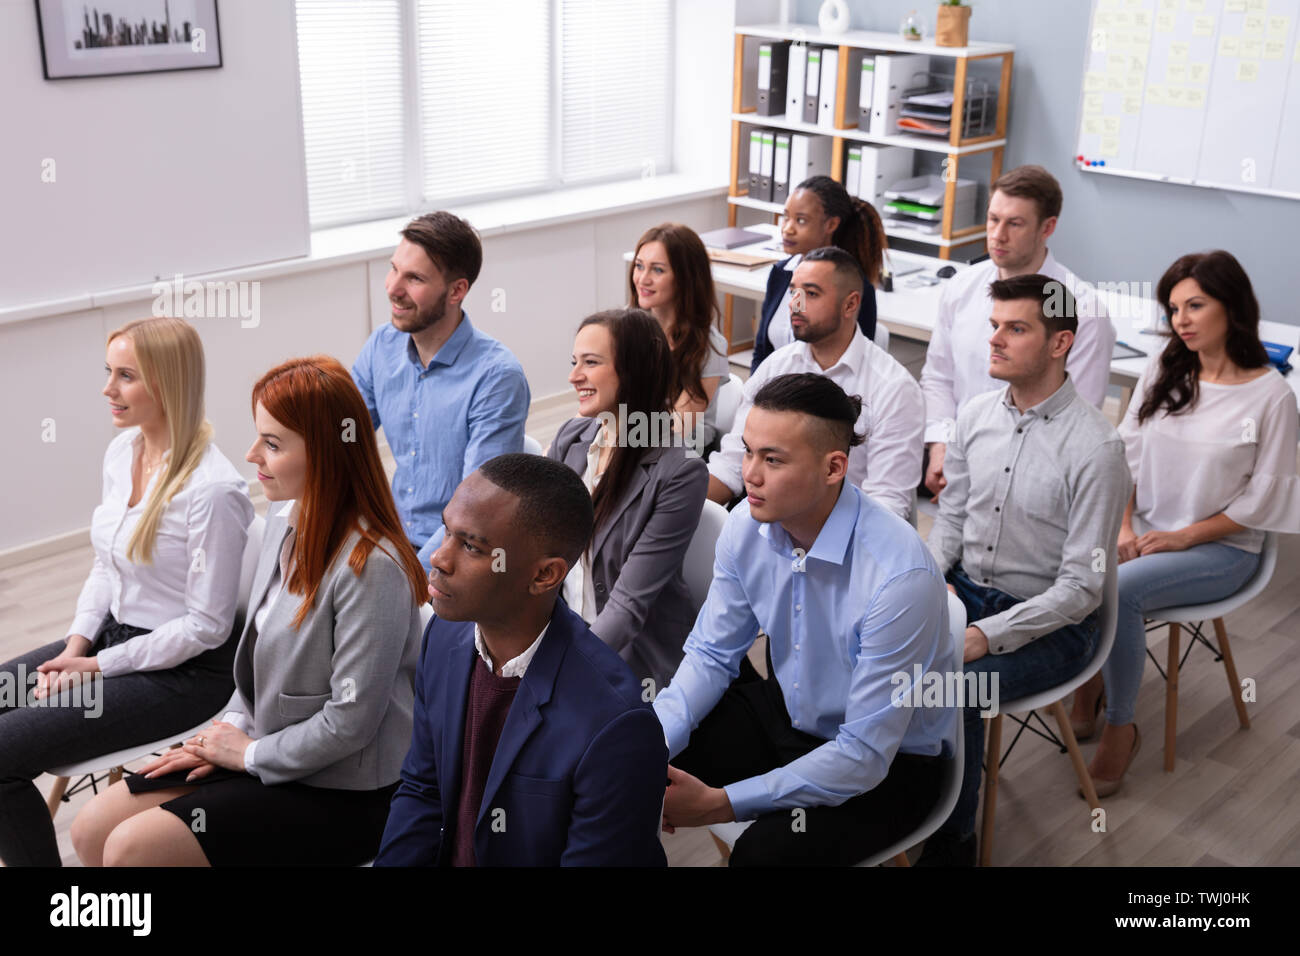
(1154, 542)
(222, 744)
(1127, 547)
(66, 670)
(176, 760)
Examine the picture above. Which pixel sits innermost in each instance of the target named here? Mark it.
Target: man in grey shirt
(1037, 484)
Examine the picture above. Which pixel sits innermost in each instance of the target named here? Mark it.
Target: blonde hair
(170, 356)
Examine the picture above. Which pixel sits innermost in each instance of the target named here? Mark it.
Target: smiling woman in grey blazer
(647, 490)
(302, 767)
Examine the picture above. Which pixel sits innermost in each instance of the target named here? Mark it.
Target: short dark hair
(450, 242)
(848, 274)
(819, 397)
(1032, 182)
(554, 506)
(1056, 305)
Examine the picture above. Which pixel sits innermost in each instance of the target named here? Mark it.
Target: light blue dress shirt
(441, 421)
(866, 603)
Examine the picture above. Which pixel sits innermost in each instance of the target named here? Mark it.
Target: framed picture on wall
(81, 38)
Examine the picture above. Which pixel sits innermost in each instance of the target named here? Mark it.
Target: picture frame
(88, 38)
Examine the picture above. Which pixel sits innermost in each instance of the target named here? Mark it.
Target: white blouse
(579, 590)
(716, 366)
(188, 594)
(1233, 452)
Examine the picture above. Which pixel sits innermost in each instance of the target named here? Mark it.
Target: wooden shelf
(872, 40)
(930, 144)
(894, 232)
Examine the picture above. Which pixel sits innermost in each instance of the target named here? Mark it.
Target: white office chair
(882, 335)
(1197, 615)
(726, 834)
(730, 393)
(1051, 699)
(114, 761)
(697, 566)
(532, 446)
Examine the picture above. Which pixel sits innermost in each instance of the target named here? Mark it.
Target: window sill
(369, 240)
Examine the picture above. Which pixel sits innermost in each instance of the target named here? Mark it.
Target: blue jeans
(1043, 663)
(1199, 575)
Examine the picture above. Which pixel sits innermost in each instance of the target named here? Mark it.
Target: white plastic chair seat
(1189, 613)
(532, 446)
(120, 757)
(729, 396)
(949, 788)
(697, 565)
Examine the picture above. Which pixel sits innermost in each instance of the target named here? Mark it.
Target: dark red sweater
(486, 709)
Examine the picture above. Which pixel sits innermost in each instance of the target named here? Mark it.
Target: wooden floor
(1234, 798)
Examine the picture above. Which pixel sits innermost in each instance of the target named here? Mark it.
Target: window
(417, 104)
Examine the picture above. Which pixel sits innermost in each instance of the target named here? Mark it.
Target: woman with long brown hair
(820, 212)
(670, 278)
(150, 648)
(302, 767)
(647, 491)
(1211, 441)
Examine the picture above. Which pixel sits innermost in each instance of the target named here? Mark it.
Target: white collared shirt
(579, 589)
(887, 465)
(514, 667)
(957, 360)
(779, 331)
(188, 593)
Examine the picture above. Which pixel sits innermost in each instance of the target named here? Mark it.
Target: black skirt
(240, 821)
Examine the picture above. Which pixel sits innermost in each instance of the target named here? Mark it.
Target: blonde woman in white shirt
(1211, 441)
(149, 651)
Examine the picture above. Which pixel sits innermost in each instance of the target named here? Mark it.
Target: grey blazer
(330, 703)
(644, 609)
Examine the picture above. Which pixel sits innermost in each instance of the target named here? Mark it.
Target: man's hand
(688, 802)
(1127, 547)
(719, 492)
(977, 645)
(934, 479)
(1154, 542)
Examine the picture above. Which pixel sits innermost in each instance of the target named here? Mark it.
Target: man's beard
(424, 318)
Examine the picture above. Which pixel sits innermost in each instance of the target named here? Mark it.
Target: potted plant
(953, 26)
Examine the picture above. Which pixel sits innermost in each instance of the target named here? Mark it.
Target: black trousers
(749, 733)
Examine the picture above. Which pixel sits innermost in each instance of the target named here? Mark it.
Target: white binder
(893, 74)
(812, 84)
(755, 160)
(794, 83)
(830, 76)
(810, 155)
(765, 175)
(853, 168)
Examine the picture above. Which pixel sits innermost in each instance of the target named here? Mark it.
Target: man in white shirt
(827, 287)
(1023, 210)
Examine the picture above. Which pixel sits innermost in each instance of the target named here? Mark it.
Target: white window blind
(350, 63)
(485, 99)
(615, 80)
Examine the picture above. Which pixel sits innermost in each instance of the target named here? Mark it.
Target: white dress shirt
(957, 360)
(579, 590)
(779, 331)
(516, 666)
(716, 366)
(887, 465)
(188, 593)
(1234, 452)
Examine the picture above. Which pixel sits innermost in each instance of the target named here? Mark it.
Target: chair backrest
(730, 393)
(882, 336)
(532, 446)
(426, 615)
(697, 566)
(248, 565)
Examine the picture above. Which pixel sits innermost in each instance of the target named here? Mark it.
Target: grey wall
(1112, 229)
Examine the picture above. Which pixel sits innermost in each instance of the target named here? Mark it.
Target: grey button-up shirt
(1032, 508)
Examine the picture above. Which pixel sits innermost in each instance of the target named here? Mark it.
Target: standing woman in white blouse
(149, 651)
(1211, 441)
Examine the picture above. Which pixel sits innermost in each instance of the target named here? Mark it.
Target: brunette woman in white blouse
(1211, 441)
(149, 652)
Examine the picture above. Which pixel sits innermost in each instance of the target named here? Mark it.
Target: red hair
(346, 489)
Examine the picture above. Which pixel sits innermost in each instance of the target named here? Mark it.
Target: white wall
(190, 171)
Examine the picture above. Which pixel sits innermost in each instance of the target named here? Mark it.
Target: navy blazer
(778, 280)
(579, 773)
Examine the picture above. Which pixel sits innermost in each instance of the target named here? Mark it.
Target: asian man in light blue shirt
(826, 755)
(449, 397)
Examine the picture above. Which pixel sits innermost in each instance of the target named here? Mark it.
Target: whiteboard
(1200, 92)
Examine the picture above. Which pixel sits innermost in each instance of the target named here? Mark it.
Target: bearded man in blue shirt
(449, 397)
(818, 754)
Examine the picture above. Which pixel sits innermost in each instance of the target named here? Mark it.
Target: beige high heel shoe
(1084, 730)
(1106, 788)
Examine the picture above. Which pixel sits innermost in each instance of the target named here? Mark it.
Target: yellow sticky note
(1164, 22)
(1142, 20)
(1133, 82)
(1137, 63)
(1092, 125)
(1114, 84)
(1203, 26)
(1198, 73)
(1251, 48)
(1110, 125)
(1093, 81)
(1174, 96)
(1132, 103)
(1155, 95)
(1247, 71)
(1194, 6)
(1229, 46)
(1110, 146)
(1102, 20)
(1168, 6)
(1253, 25)
(1177, 73)
(1092, 102)
(1116, 62)
(1122, 19)
(1235, 6)
(1178, 51)
(1134, 4)
(1278, 26)
(1256, 6)
(1274, 49)
(1194, 99)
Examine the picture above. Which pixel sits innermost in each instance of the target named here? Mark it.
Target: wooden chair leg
(1221, 632)
(722, 848)
(56, 795)
(901, 860)
(114, 775)
(1171, 698)
(994, 734)
(1076, 756)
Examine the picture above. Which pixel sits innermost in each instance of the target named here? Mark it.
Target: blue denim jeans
(1199, 575)
(1043, 663)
